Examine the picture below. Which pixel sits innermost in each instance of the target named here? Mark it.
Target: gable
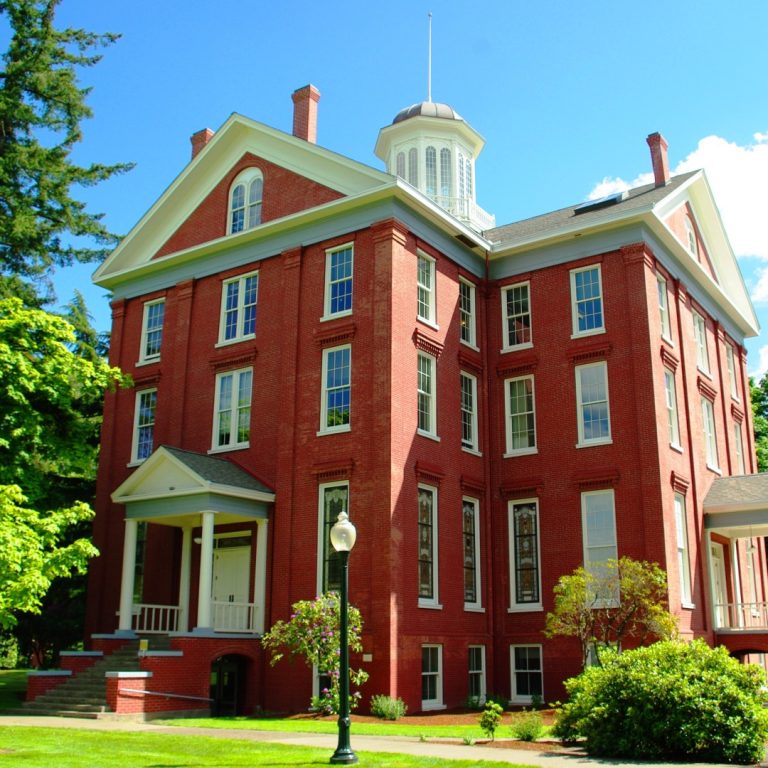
(285, 192)
(679, 221)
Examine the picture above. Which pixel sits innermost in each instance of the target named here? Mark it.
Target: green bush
(527, 726)
(9, 651)
(668, 701)
(388, 708)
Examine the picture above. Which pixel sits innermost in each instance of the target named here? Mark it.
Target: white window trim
(472, 341)
(582, 442)
(683, 551)
(324, 428)
(135, 435)
(515, 607)
(517, 698)
(239, 336)
(709, 427)
(477, 605)
(576, 333)
(738, 444)
(434, 601)
(474, 446)
(730, 358)
(432, 432)
(246, 177)
(145, 359)
(436, 703)
(666, 332)
(700, 339)
(431, 319)
(508, 346)
(481, 672)
(585, 496)
(509, 450)
(322, 544)
(232, 446)
(329, 254)
(673, 414)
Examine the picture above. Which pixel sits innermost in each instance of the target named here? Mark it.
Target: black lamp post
(343, 535)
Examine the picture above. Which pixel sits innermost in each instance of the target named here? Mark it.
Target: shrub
(527, 726)
(490, 719)
(388, 708)
(668, 701)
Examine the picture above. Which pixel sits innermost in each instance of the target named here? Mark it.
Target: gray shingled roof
(742, 490)
(216, 470)
(637, 199)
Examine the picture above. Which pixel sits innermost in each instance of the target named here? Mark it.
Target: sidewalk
(568, 757)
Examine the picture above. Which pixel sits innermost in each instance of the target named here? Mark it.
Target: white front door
(231, 580)
(719, 588)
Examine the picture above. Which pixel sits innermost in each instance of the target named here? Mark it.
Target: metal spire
(429, 61)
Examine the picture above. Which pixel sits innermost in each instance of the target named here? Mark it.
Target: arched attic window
(245, 200)
(693, 244)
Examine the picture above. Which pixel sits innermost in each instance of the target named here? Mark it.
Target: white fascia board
(207, 488)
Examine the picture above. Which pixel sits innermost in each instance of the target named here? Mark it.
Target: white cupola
(430, 146)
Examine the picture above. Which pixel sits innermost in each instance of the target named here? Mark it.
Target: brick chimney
(305, 113)
(199, 140)
(658, 145)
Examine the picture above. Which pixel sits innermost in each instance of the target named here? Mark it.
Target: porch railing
(234, 617)
(741, 616)
(151, 619)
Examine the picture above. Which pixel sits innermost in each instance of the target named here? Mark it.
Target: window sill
(148, 361)
(430, 604)
(668, 340)
(516, 347)
(326, 318)
(335, 431)
(473, 451)
(429, 706)
(583, 334)
(704, 372)
(135, 463)
(227, 448)
(229, 342)
(591, 443)
(716, 470)
(688, 606)
(470, 345)
(429, 435)
(532, 608)
(472, 608)
(676, 447)
(428, 323)
(522, 452)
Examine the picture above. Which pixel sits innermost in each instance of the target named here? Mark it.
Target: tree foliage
(670, 701)
(41, 108)
(621, 599)
(313, 633)
(759, 396)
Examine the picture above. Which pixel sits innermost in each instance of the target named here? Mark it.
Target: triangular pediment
(334, 175)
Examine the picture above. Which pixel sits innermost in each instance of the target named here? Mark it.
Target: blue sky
(564, 94)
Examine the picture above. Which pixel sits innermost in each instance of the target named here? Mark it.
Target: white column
(129, 572)
(260, 577)
(184, 578)
(206, 575)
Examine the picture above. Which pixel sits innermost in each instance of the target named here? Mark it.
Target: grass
(13, 686)
(33, 747)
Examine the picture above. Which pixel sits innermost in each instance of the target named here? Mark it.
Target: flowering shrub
(313, 632)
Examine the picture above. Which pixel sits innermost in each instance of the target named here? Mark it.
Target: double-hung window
(232, 410)
(516, 315)
(520, 416)
(337, 389)
(730, 359)
(593, 414)
(467, 320)
(683, 561)
(427, 404)
(673, 419)
(710, 434)
(338, 281)
(524, 549)
(661, 285)
(587, 301)
(468, 411)
(599, 531)
(238, 308)
(425, 293)
(152, 331)
(738, 445)
(527, 673)
(471, 544)
(427, 546)
(431, 676)
(144, 424)
(476, 669)
(333, 499)
(700, 337)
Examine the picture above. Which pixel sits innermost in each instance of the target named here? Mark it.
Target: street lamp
(343, 535)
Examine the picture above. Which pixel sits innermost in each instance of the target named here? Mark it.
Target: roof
(635, 200)
(738, 491)
(427, 109)
(215, 470)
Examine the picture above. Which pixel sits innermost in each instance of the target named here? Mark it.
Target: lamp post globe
(343, 535)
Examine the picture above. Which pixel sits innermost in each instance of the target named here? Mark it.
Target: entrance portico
(191, 491)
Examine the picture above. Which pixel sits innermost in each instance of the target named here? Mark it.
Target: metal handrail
(167, 695)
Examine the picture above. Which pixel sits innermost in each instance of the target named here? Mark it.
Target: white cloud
(760, 288)
(762, 364)
(738, 176)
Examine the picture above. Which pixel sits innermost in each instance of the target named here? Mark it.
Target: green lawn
(13, 686)
(33, 747)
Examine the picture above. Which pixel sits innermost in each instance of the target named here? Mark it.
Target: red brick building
(492, 405)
